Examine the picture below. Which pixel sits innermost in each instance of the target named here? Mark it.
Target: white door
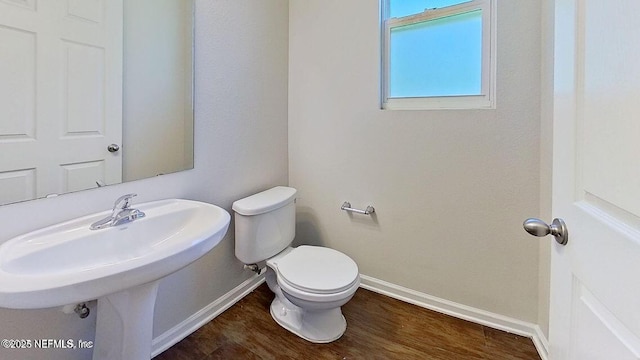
(60, 96)
(595, 285)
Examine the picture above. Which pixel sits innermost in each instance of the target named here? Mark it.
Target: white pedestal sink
(119, 266)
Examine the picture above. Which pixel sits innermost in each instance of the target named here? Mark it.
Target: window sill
(439, 103)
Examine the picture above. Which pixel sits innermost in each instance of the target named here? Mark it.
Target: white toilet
(311, 283)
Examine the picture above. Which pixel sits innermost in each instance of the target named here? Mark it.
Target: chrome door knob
(113, 148)
(558, 229)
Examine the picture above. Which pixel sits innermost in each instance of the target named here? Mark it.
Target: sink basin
(68, 263)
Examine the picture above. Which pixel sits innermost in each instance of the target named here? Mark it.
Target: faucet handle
(123, 201)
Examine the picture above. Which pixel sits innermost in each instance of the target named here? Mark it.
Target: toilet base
(322, 326)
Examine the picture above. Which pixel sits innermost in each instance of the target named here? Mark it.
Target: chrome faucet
(121, 214)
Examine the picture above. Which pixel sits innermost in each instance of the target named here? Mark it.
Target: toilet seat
(317, 270)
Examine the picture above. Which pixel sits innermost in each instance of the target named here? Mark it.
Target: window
(438, 54)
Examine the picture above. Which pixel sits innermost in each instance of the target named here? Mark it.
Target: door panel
(609, 92)
(18, 185)
(81, 175)
(595, 325)
(18, 95)
(595, 293)
(83, 74)
(90, 10)
(61, 95)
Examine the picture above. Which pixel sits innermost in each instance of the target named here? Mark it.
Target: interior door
(60, 96)
(595, 285)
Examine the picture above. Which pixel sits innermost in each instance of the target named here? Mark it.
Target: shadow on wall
(307, 231)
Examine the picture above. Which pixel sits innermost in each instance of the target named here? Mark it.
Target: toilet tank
(265, 224)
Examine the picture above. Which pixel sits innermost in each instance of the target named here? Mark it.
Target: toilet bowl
(310, 283)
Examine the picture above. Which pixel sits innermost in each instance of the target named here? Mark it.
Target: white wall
(240, 148)
(546, 160)
(450, 188)
(157, 103)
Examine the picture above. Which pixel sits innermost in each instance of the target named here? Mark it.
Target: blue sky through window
(399, 8)
(441, 57)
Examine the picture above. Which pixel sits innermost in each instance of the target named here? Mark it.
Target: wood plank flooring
(378, 327)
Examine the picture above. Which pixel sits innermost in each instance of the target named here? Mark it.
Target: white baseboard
(197, 320)
(460, 311)
(541, 342)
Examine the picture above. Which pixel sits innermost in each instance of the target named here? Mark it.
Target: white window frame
(484, 101)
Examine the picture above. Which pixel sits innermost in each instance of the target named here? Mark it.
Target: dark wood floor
(378, 327)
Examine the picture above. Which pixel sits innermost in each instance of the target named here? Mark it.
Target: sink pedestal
(124, 324)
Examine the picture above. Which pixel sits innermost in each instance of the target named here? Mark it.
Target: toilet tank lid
(265, 201)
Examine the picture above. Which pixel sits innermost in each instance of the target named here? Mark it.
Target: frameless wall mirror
(93, 93)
